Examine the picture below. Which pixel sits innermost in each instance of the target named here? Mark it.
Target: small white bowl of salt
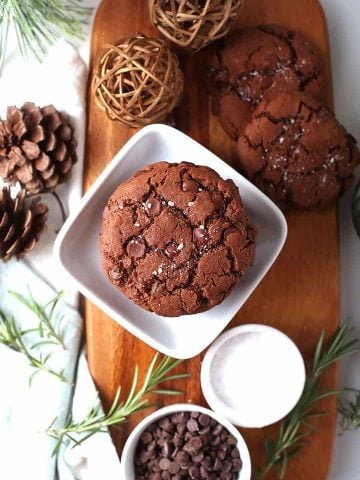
(253, 375)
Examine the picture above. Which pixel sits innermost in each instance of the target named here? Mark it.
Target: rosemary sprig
(96, 421)
(13, 337)
(349, 410)
(45, 314)
(297, 425)
(38, 23)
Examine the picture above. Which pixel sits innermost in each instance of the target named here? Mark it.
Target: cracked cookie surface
(296, 151)
(255, 63)
(176, 239)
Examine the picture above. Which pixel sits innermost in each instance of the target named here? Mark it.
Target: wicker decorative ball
(138, 81)
(193, 24)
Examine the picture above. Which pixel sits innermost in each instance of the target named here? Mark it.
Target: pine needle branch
(96, 421)
(38, 24)
(295, 427)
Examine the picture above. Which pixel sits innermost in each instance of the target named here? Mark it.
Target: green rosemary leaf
(45, 315)
(96, 421)
(133, 387)
(13, 337)
(167, 392)
(355, 208)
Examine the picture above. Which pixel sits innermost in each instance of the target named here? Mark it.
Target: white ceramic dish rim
(132, 441)
(205, 377)
(189, 351)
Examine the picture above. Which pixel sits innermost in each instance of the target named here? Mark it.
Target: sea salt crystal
(137, 224)
(190, 204)
(149, 206)
(180, 246)
(171, 204)
(154, 272)
(200, 189)
(160, 270)
(281, 139)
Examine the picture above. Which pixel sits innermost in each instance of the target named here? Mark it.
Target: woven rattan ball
(138, 81)
(193, 24)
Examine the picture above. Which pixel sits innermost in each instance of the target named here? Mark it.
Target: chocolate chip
(174, 468)
(217, 464)
(236, 464)
(192, 425)
(189, 186)
(146, 437)
(183, 459)
(198, 457)
(235, 453)
(204, 420)
(200, 234)
(194, 472)
(136, 248)
(231, 440)
(195, 443)
(226, 466)
(153, 206)
(164, 464)
(174, 449)
(172, 250)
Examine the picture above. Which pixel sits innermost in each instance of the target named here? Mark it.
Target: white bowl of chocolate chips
(185, 441)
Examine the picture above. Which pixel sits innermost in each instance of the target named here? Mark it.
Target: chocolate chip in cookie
(296, 151)
(176, 238)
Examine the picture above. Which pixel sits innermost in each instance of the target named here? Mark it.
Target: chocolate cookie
(296, 151)
(258, 62)
(176, 238)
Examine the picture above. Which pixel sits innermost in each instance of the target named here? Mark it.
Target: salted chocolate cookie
(296, 151)
(176, 239)
(256, 63)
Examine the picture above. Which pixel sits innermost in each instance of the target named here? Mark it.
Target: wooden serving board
(300, 295)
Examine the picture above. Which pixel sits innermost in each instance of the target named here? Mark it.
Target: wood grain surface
(300, 295)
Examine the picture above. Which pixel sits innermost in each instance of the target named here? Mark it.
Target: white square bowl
(77, 244)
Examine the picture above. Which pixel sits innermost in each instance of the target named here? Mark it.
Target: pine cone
(37, 147)
(20, 226)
